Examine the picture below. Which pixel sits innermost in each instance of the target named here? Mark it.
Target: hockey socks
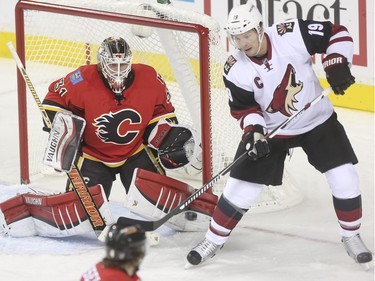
(224, 219)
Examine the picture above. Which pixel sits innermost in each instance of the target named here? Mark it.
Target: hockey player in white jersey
(268, 78)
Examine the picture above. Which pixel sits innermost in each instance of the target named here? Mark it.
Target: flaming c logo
(284, 96)
(121, 127)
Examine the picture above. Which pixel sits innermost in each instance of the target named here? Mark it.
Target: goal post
(54, 37)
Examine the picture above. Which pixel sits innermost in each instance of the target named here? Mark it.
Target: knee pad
(343, 181)
(241, 193)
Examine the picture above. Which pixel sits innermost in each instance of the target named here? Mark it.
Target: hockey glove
(255, 143)
(338, 73)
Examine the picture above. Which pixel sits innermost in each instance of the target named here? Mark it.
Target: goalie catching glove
(255, 142)
(178, 146)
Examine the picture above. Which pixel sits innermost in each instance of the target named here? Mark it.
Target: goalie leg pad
(63, 141)
(15, 218)
(57, 215)
(152, 195)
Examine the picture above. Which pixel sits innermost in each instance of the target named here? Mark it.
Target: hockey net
(57, 36)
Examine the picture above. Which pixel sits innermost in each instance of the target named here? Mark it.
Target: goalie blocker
(152, 196)
(178, 147)
(63, 141)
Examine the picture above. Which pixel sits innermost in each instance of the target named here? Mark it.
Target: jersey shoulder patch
(285, 27)
(76, 77)
(229, 63)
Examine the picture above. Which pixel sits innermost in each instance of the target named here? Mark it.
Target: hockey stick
(79, 185)
(152, 225)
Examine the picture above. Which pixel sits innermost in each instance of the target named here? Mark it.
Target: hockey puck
(191, 216)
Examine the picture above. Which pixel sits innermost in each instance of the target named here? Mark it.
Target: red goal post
(56, 36)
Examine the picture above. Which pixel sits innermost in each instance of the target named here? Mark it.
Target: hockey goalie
(57, 215)
(150, 195)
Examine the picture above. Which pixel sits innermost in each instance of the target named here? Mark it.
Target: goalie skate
(202, 252)
(356, 249)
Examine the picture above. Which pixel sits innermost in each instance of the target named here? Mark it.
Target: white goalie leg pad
(68, 214)
(63, 141)
(15, 218)
(56, 215)
(153, 238)
(152, 196)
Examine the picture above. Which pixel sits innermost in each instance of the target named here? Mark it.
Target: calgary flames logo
(284, 96)
(121, 127)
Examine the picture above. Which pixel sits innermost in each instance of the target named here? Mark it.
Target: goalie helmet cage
(54, 37)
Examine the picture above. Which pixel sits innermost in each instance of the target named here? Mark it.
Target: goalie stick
(79, 185)
(152, 225)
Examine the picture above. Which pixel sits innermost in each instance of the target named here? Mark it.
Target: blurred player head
(114, 62)
(125, 247)
(244, 28)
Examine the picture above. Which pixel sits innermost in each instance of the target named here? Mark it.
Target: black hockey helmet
(114, 63)
(126, 244)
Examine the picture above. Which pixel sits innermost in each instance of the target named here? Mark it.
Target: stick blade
(146, 225)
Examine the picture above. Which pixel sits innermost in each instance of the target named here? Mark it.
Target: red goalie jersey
(115, 129)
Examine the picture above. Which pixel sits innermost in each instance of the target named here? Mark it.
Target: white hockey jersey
(270, 89)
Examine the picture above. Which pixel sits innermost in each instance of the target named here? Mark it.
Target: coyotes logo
(285, 93)
(285, 27)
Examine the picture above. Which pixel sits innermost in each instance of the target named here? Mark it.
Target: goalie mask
(126, 244)
(241, 19)
(114, 63)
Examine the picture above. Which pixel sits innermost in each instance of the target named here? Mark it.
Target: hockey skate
(202, 252)
(356, 249)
